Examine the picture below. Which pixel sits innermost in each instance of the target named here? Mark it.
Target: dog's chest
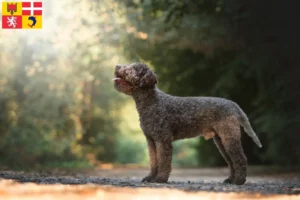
(154, 122)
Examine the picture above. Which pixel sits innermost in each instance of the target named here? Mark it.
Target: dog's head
(129, 78)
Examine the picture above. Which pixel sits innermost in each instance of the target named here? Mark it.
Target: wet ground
(115, 183)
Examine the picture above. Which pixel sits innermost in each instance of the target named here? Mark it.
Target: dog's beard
(123, 86)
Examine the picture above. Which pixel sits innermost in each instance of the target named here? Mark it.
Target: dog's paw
(239, 181)
(228, 180)
(160, 179)
(148, 178)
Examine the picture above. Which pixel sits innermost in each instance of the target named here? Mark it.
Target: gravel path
(188, 181)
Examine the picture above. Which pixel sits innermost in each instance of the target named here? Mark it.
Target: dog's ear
(149, 79)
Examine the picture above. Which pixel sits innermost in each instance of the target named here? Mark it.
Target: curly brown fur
(165, 118)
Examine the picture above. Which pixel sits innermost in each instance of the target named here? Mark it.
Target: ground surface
(125, 183)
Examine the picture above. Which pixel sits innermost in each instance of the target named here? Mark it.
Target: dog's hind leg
(221, 148)
(234, 149)
(230, 137)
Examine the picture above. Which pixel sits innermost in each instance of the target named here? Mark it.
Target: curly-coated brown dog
(165, 118)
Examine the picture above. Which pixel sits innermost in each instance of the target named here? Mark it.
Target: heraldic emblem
(22, 15)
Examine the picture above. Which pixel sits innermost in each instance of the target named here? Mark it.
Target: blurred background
(58, 107)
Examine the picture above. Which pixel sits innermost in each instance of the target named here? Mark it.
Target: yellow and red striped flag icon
(22, 15)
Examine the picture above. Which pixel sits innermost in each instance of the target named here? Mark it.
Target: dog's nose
(118, 66)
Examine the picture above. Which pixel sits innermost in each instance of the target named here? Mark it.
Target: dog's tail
(247, 127)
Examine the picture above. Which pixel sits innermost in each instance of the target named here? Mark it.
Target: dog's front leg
(153, 161)
(164, 158)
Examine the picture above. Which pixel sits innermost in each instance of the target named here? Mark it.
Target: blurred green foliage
(57, 100)
(58, 105)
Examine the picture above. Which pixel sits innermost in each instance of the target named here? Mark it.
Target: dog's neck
(145, 97)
